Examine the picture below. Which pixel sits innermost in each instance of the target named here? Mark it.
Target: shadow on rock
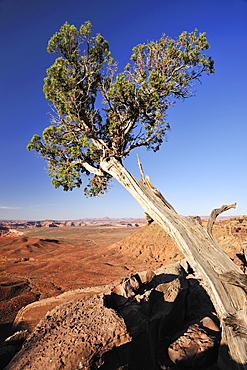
(150, 321)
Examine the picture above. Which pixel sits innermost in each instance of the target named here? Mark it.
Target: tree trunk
(206, 257)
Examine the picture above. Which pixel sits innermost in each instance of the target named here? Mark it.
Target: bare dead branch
(214, 214)
(146, 181)
(140, 168)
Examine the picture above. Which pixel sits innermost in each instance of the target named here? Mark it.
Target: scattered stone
(208, 323)
(146, 276)
(195, 348)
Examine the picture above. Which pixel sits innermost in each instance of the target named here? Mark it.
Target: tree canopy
(99, 113)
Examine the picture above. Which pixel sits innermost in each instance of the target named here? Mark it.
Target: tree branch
(140, 168)
(89, 167)
(146, 181)
(133, 145)
(214, 214)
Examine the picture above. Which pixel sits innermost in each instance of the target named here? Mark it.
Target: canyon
(46, 263)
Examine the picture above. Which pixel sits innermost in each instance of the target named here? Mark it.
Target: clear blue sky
(203, 164)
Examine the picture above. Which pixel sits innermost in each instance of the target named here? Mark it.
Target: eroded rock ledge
(149, 321)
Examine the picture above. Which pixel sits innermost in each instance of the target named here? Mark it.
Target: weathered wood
(215, 213)
(204, 255)
(235, 279)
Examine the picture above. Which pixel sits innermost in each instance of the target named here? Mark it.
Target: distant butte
(105, 221)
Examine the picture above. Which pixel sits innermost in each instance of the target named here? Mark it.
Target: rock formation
(150, 320)
(167, 318)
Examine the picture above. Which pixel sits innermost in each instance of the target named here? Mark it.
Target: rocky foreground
(148, 321)
(159, 318)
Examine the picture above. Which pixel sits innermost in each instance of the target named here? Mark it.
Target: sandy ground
(48, 261)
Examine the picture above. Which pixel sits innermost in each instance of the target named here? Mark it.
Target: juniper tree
(100, 115)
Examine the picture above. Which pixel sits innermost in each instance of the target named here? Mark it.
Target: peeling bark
(203, 253)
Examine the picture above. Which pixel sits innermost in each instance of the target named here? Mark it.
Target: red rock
(75, 335)
(194, 348)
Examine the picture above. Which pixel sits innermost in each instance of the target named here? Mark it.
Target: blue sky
(203, 163)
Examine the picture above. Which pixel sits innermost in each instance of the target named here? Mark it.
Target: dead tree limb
(214, 214)
(204, 255)
(146, 181)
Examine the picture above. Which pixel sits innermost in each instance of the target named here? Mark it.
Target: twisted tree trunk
(206, 257)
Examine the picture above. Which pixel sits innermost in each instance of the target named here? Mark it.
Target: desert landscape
(43, 263)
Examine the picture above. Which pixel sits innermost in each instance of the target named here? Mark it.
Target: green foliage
(61, 152)
(97, 185)
(85, 132)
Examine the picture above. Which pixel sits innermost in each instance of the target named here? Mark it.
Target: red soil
(46, 262)
(35, 268)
